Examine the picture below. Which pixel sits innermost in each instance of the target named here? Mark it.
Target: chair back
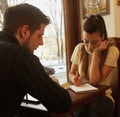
(115, 84)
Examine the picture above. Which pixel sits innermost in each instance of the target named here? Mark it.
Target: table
(81, 100)
(78, 100)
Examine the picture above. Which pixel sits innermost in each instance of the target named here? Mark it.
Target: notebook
(83, 88)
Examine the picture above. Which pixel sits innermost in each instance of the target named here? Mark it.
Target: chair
(115, 84)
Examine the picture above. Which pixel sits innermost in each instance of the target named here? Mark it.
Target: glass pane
(52, 54)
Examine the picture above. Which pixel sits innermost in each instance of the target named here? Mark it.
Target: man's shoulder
(12, 48)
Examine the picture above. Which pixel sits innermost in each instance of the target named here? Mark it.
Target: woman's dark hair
(95, 23)
(23, 14)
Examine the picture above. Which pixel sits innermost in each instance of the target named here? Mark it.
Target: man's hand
(54, 79)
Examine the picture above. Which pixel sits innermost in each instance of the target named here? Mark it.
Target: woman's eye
(94, 43)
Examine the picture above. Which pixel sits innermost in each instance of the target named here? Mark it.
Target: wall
(112, 20)
(117, 20)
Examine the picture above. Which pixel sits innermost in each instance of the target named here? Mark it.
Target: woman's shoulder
(79, 46)
(113, 49)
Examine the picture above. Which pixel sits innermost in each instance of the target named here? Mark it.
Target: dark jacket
(21, 73)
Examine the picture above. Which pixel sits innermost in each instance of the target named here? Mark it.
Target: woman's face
(91, 41)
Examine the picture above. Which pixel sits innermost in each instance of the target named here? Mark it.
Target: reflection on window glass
(52, 53)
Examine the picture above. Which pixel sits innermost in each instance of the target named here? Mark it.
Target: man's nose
(41, 41)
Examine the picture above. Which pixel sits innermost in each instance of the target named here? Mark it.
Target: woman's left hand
(103, 45)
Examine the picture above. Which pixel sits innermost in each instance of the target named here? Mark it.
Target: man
(20, 71)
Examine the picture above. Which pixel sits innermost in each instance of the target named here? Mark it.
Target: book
(83, 88)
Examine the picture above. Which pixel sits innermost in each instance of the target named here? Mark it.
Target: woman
(96, 61)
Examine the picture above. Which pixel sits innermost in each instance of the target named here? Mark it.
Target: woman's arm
(73, 75)
(94, 69)
(95, 75)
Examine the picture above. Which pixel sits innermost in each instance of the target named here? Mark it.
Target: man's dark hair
(23, 14)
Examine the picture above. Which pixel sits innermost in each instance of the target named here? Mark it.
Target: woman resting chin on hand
(96, 62)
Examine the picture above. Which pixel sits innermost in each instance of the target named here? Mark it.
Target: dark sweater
(21, 73)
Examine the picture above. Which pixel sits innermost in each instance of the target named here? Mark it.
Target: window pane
(52, 53)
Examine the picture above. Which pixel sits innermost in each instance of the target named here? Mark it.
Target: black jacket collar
(6, 36)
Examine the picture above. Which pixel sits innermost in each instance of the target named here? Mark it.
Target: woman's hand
(77, 79)
(103, 45)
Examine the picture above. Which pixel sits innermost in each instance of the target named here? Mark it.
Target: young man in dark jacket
(20, 70)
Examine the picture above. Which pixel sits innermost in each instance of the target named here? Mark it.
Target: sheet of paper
(83, 88)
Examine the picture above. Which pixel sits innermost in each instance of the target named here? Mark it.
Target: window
(53, 53)
(68, 35)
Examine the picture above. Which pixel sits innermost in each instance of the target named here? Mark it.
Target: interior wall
(112, 20)
(117, 19)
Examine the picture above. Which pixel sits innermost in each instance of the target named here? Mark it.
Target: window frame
(72, 20)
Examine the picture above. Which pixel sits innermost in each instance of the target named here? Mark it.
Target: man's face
(35, 39)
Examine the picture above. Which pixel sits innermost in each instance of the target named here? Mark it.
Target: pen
(76, 73)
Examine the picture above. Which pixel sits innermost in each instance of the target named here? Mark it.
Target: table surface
(79, 100)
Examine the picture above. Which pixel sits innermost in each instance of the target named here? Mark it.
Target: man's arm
(37, 83)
